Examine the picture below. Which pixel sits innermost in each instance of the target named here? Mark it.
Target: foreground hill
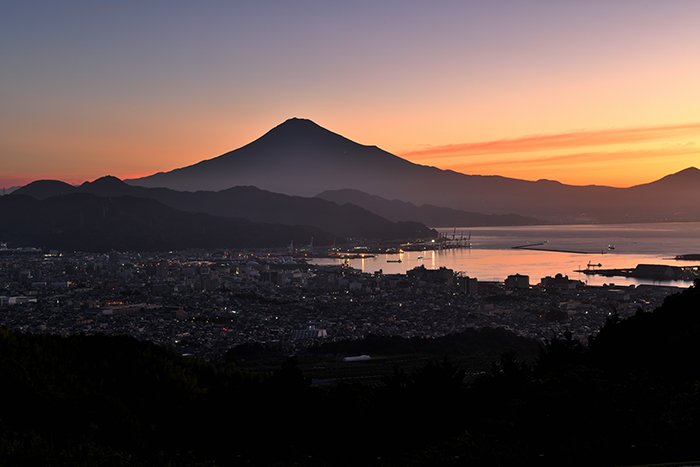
(434, 216)
(630, 397)
(251, 203)
(299, 157)
(87, 222)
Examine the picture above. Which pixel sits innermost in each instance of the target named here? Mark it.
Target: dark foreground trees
(631, 396)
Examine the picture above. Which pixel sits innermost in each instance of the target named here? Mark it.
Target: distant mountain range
(299, 157)
(250, 203)
(86, 222)
(434, 216)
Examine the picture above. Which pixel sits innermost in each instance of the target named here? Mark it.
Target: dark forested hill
(630, 397)
(93, 223)
(247, 202)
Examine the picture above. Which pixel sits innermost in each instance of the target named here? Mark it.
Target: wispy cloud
(560, 141)
(587, 158)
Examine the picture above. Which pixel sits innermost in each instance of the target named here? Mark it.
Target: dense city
(203, 303)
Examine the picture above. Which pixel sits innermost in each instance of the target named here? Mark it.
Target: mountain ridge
(434, 216)
(256, 205)
(87, 222)
(682, 177)
(299, 157)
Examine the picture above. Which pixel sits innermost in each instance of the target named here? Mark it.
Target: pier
(658, 272)
(537, 247)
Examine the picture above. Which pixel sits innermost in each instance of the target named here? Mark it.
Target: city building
(517, 281)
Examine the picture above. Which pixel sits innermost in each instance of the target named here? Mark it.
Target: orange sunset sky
(587, 93)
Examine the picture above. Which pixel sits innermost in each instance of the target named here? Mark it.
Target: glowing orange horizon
(557, 141)
(615, 157)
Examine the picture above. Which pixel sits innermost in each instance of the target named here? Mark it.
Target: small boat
(393, 261)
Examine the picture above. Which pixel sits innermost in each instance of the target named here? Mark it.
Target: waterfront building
(517, 281)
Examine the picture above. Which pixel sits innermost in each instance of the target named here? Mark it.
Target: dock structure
(659, 272)
(538, 247)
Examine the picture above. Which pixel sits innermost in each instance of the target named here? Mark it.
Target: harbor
(581, 251)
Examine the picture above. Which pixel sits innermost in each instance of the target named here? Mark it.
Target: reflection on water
(492, 258)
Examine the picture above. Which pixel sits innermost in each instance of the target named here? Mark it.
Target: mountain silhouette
(42, 189)
(251, 203)
(434, 216)
(82, 221)
(683, 180)
(300, 157)
(292, 158)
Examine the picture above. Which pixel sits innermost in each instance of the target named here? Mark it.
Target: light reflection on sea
(492, 258)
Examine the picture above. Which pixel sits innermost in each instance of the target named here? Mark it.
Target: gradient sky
(596, 92)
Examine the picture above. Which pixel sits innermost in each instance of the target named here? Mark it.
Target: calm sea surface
(492, 258)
